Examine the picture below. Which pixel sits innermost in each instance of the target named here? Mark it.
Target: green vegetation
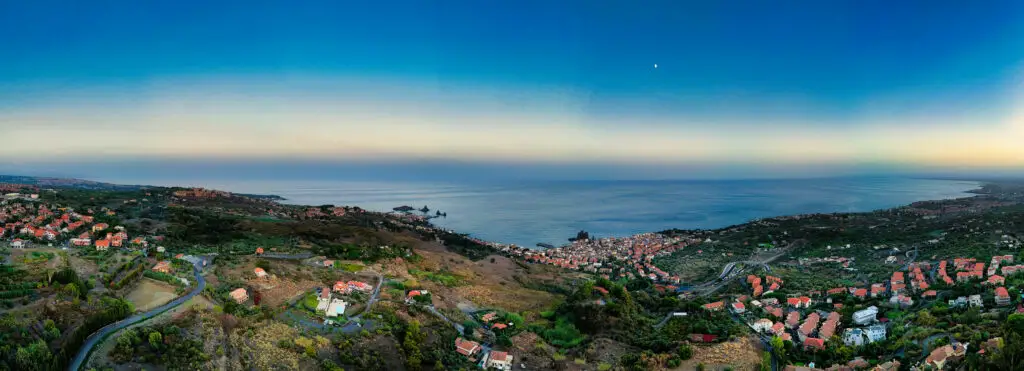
(443, 277)
(163, 345)
(160, 276)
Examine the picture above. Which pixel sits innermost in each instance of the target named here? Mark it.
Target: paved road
(446, 319)
(92, 340)
(373, 297)
(300, 256)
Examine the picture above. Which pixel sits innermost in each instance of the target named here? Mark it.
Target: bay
(527, 213)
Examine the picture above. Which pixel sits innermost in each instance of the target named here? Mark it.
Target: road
(373, 297)
(96, 337)
(299, 256)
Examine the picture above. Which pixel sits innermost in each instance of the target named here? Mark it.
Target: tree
(779, 350)
(924, 318)
(155, 339)
(1011, 357)
(685, 352)
(35, 356)
(70, 291)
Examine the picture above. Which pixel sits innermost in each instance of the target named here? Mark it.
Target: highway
(96, 337)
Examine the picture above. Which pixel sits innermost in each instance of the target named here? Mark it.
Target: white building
(975, 301)
(875, 333)
(866, 316)
(853, 337)
(499, 360)
(324, 300)
(336, 308)
(762, 325)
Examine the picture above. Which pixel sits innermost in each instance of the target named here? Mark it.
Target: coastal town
(867, 297)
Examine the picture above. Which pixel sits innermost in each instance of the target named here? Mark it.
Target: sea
(526, 213)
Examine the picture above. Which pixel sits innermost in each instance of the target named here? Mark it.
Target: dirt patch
(741, 354)
(84, 268)
(607, 351)
(149, 294)
(493, 281)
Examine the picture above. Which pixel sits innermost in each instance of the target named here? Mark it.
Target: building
(102, 245)
(259, 251)
(738, 307)
(324, 300)
(714, 307)
(499, 360)
(162, 267)
(853, 337)
(975, 301)
(81, 241)
(466, 347)
(239, 295)
(260, 273)
(939, 356)
(336, 308)
(1002, 296)
(413, 294)
(793, 319)
(814, 344)
(865, 316)
(810, 324)
(762, 325)
(875, 333)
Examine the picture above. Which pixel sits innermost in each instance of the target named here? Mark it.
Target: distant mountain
(45, 182)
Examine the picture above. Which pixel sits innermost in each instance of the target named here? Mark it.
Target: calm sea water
(550, 212)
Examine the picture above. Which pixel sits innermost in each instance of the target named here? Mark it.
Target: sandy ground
(150, 294)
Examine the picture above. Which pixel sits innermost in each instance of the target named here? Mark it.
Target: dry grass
(149, 294)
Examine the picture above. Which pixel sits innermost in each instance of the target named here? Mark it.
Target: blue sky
(853, 84)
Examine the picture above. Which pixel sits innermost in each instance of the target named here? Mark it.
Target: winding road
(96, 337)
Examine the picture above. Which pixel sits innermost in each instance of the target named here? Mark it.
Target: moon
(655, 65)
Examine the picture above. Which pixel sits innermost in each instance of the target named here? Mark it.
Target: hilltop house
(324, 300)
(336, 308)
(239, 295)
(762, 325)
(498, 360)
(162, 267)
(875, 333)
(865, 316)
(1002, 296)
(260, 273)
(853, 337)
(466, 347)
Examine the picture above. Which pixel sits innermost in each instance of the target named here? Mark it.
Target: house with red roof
(466, 347)
(162, 267)
(738, 307)
(1002, 296)
(102, 245)
(793, 319)
(995, 280)
(714, 307)
(810, 324)
(814, 344)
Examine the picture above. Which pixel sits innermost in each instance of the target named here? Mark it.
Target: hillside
(329, 287)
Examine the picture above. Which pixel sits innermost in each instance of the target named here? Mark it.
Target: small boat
(545, 245)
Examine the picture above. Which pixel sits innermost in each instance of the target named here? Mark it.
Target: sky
(520, 88)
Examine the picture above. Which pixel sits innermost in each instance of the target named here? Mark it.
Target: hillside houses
(594, 255)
